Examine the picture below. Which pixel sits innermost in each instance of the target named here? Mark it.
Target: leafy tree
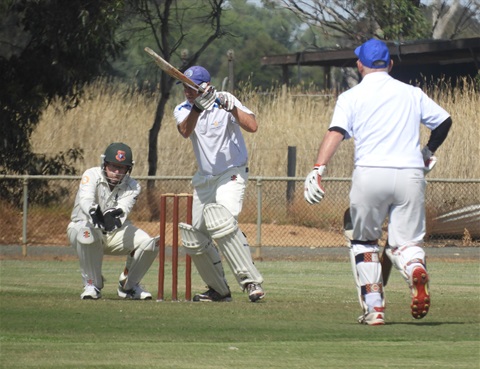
(388, 20)
(166, 25)
(48, 48)
(356, 21)
(186, 33)
(252, 32)
(249, 29)
(452, 19)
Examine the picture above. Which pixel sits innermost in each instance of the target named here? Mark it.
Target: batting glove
(97, 216)
(112, 221)
(429, 159)
(314, 190)
(226, 101)
(206, 99)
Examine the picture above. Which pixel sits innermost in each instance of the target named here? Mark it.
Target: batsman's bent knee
(195, 242)
(223, 227)
(205, 257)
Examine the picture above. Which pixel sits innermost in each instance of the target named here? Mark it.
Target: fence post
(25, 216)
(258, 249)
(291, 170)
(231, 84)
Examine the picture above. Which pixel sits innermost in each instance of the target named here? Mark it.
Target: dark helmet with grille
(119, 153)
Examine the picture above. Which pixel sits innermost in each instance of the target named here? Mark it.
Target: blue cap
(373, 54)
(198, 74)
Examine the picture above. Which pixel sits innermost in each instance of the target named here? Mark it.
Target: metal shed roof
(431, 55)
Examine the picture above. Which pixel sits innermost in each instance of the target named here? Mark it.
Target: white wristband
(320, 169)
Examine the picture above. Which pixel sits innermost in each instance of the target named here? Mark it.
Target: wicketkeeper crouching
(99, 225)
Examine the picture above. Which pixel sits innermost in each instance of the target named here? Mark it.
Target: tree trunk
(153, 156)
(441, 19)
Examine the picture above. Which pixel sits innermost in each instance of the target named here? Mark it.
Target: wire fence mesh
(274, 212)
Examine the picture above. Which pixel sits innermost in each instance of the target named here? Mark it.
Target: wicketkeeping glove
(314, 190)
(429, 159)
(226, 100)
(97, 216)
(112, 219)
(207, 98)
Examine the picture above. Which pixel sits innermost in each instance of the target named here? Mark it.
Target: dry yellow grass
(113, 113)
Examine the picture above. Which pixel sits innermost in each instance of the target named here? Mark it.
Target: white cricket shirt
(217, 140)
(383, 115)
(94, 189)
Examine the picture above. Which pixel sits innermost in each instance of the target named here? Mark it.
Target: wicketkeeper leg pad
(223, 228)
(87, 242)
(139, 262)
(206, 258)
(367, 272)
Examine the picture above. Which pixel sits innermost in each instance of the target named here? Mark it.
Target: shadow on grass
(425, 324)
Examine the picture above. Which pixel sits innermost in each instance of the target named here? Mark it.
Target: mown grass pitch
(308, 320)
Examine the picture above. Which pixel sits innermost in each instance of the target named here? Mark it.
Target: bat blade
(386, 265)
(171, 70)
(347, 225)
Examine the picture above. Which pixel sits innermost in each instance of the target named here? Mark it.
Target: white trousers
(227, 189)
(397, 193)
(136, 244)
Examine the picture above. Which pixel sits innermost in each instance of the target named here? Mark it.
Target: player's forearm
(86, 204)
(86, 195)
(439, 135)
(328, 147)
(188, 125)
(245, 120)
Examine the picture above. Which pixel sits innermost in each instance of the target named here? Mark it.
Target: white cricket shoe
(255, 292)
(375, 317)
(90, 292)
(136, 293)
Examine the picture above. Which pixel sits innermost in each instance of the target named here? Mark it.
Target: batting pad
(357, 281)
(223, 227)
(205, 257)
(405, 258)
(367, 272)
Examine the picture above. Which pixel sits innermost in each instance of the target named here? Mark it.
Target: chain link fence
(274, 213)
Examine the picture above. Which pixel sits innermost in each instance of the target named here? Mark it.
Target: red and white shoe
(375, 317)
(420, 295)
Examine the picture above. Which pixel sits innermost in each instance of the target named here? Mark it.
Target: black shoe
(212, 295)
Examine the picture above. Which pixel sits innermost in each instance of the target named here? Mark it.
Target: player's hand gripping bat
(172, 71)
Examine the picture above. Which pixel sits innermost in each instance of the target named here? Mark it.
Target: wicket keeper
(100, 225)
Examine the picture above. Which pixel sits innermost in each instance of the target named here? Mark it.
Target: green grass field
(307, 320)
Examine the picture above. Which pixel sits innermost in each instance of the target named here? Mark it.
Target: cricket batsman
(383, 116)
(214, 122)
